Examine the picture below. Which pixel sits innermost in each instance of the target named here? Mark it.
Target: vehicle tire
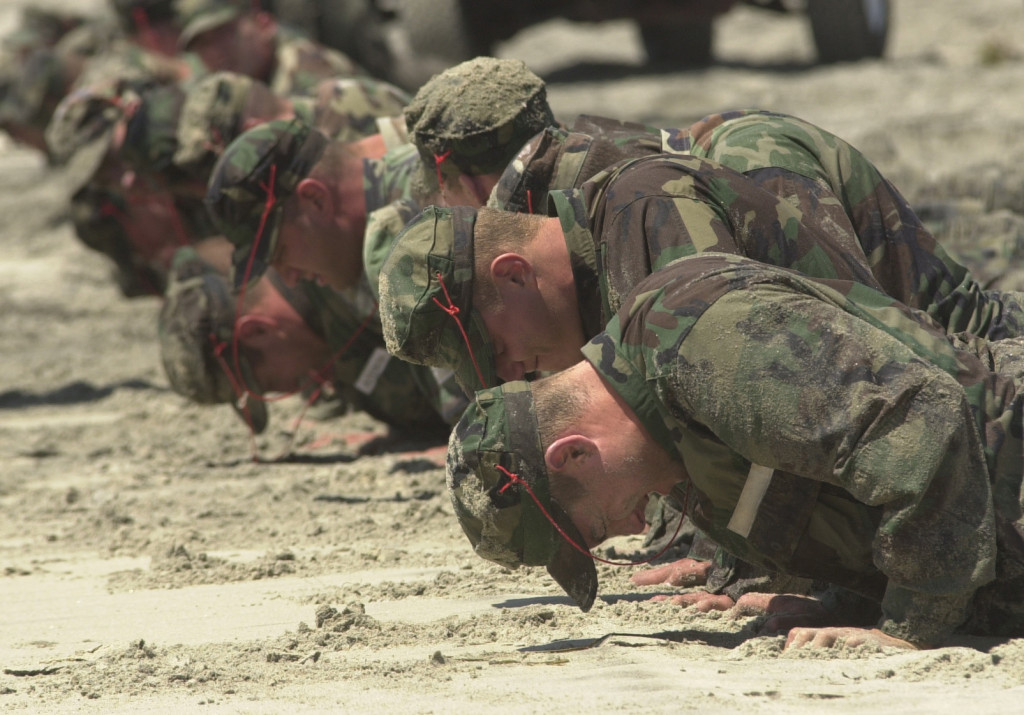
(849, 30)
(681, 43)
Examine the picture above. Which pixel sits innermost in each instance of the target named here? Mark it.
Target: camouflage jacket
(835, 187)
(398, 393)
(832, 433)
(301, 64)
(640, 215)
(388, 184)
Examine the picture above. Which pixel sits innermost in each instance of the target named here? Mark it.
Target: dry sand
(148, 565)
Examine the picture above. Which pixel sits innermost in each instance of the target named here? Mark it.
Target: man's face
(526, 338)
(287, 366)
(617, 487)
(286, 357)
(326, 256)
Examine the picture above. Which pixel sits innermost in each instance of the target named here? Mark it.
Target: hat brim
(574, 570)
(82, 166)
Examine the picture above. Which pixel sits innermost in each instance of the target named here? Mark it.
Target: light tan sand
(147, 565)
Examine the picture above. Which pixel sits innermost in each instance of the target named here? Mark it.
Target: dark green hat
(151, 135)
(503, 522)
(251, 181)
(196, 331)
(211, 117)
(482, 111)
(430, 266)
(195, 17)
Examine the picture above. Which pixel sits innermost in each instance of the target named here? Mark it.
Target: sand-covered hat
(196, 331)
(477, 115)
(426, 293)
(497, 432)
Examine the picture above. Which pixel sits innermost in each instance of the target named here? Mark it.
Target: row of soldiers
(743, 316)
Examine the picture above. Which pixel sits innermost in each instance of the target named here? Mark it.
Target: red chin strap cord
(516, 479)
(453, 310)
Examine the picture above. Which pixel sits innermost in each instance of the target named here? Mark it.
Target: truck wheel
(685, 43)
(849, 30)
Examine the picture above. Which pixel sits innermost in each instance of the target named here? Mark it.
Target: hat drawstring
(267, 207)
(438, 160)
(453, 310)
(516, 479)
(529, 201)
(244, 391)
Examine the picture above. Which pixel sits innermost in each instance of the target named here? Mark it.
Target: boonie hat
(503, 522)
(196, 330)
(250, 182)
(427, 276)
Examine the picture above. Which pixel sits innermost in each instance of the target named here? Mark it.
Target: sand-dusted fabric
(893, 456)
(836, 188)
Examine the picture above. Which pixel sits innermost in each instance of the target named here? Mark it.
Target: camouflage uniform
(214, 114)
(621, 226)
(827, 430)
(287, 151)
(200, 302)
(80, 138)
(830, 182)
(300, 64)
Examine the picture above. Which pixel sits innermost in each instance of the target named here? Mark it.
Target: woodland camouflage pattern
(383, 227)
(300, 63)
(347, 109)
(832, 184)
(426, 297)
(896, 455)
(253, 178)
(503, 522)
(214, 114)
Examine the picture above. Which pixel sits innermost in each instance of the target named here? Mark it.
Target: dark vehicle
(412, 39)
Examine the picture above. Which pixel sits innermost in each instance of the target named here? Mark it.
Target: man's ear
(569, 452)
(511, 268)
(250, 328)
(314, 194)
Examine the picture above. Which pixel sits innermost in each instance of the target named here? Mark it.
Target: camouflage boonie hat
(524, 183)
(347, 109)
(151, 135)
(503, 522)
(251, 181)
(430, 264)
(211, 117)
(80, 134)
(196, 323)
(482, 111)
(195, 17)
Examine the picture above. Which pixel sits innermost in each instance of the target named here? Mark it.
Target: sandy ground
(147, 564)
